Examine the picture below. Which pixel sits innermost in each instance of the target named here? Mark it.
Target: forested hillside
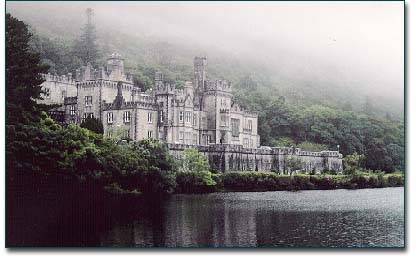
(312, 114)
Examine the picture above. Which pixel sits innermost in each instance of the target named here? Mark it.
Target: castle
(201, 114)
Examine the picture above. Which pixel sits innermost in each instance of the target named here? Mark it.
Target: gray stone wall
(224, 158)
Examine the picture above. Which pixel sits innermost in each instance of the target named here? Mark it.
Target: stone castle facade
(202, 115)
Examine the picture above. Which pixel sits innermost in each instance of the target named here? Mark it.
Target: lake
(334, 218)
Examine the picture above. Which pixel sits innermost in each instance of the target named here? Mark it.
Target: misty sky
(362, 42)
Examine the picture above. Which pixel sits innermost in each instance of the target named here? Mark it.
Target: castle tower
(164, 93)
(200, 72)
(115, 67)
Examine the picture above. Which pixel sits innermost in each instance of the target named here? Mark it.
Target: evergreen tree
(86, 47)
(23, 74)
(368, 108)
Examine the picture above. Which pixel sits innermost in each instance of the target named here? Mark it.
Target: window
(47, 93)
(195, 139)
(188, 117)
(110, 117)
(195, 119)
(235, 127)
(149, 134)
(246, 143)
(127, 134)
(87, 115)
(250, 125)
(127, 116)
(109, 134)
(149, 117)
(187, 138)
(88, 100)
(251, 142)
(161, 116)
(181, 135)
(72, 110)
(205, 139)
(63, 94)
(223, 120)
(181, 116)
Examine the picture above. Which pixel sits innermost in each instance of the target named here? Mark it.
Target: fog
(347, 44)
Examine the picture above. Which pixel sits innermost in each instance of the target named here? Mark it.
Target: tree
(86, 46)
(196, 170)
(195, 162)
(368, 107)
(310, 146)
(293, 164)
(23, 74)
(352, 163)
(93, 124)
(142, 81)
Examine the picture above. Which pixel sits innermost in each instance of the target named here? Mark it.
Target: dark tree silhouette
(93, 124)
(23, 74)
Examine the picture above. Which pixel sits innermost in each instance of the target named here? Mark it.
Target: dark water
(368, 217)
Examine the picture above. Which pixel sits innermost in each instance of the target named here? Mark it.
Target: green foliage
(40, 156)
(266, 181)
(194, 161)
(311, 146)
(93, 124)
(282, 123)
(179, 84)
(283, 142)
(86, 48)
(195, 175)
(144, 82)
(293, 164)
(352, 163)
(193, 182)
(292, 116)
(23, 69)
(254, 181)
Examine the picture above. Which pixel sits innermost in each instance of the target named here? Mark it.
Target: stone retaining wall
(225, 158)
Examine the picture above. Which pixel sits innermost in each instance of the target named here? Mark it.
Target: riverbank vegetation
(44, 158)
(266, 181)
(302, 112)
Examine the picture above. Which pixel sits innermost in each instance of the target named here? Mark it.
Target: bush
(93, 124)
(193, 182)
(43, 157)
(255, 181)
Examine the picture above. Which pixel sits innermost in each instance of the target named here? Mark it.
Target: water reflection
(371, 217)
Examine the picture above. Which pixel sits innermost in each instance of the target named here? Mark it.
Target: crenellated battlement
(217, 85)
(199, 115)
(66, 79)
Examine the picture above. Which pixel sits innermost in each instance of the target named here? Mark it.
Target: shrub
(93, 124)
(193, 182)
